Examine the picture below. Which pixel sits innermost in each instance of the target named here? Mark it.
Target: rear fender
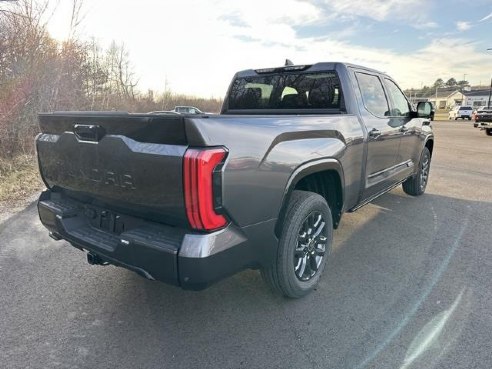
(305, 170)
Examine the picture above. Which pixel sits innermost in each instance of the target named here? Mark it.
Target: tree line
(39, 73)
(426, 91)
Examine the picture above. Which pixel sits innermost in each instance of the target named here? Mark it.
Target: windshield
(287, 91)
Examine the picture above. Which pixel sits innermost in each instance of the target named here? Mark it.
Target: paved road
(408, 286)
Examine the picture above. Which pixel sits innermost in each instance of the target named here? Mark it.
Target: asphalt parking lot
(408, 286)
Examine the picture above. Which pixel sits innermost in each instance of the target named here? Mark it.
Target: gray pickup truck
(189, 199)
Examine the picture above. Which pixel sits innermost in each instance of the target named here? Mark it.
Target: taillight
(201, 177)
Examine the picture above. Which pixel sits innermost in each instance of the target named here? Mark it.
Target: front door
(410, 128)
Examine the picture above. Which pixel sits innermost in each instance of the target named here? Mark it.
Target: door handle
(89, 132)
(374, 133)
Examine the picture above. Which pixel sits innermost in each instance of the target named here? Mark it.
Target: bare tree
(38, 73)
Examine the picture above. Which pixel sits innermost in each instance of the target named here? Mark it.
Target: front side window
(400, 106)
(373, 94)
(286, 91)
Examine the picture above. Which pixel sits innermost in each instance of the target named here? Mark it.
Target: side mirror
(424, 109)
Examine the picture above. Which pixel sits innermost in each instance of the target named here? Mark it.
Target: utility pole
(463, 89)
(490, 91)
(436, 107)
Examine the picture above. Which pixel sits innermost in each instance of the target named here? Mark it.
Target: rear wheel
(415, 185)
(488, 131)
(304, 245)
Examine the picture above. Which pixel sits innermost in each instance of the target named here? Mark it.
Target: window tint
(373, 94)
(286, 91)
(400, 106)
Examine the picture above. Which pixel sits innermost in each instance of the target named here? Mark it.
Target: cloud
(379, 10)
(269, 21)
(463, 26)
(425, 25)
(411, 12)
(486, 18)
(198, 46)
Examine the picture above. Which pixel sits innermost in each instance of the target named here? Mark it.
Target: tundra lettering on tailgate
(104, 177)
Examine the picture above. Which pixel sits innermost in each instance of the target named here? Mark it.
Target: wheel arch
(429, 143)
(324, 177)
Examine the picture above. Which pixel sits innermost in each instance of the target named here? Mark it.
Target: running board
(373, 197)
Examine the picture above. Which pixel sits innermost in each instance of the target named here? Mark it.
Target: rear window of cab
(319, 90)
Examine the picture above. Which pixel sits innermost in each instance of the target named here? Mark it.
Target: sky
(196, 46)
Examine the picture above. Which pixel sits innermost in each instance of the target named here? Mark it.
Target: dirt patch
(20, 184)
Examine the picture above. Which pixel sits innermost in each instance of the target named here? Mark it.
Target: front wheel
(415, 185)
(304, 245)
(488, 131)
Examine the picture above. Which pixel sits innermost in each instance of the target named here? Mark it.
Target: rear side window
(373, 94)
(287, 91)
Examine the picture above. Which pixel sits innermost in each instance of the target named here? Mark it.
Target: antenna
(288, 62)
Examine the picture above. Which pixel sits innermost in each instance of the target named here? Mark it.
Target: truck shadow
(395, 263)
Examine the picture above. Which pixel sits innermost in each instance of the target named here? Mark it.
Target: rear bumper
(155, 251)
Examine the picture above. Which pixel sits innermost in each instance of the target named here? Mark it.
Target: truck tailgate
(129, 162)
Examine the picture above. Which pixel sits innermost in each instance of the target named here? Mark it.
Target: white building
(446, 99)
(476, 98)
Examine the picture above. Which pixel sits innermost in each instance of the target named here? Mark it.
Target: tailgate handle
(89, 132)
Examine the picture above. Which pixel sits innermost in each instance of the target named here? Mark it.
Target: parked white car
(463, 112)
(187, 110)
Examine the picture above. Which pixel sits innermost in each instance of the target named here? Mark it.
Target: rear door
(383, 137)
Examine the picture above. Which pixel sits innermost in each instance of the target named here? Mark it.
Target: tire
(296, 270)
(469, 118)
(488, 131)
(415, 185)
(456, 118)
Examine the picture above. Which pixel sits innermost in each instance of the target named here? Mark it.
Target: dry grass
(19, 179)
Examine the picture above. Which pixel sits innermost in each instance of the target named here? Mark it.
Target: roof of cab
(311, 68)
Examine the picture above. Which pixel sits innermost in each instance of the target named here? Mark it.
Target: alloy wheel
(311, 247)
(424, 172)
